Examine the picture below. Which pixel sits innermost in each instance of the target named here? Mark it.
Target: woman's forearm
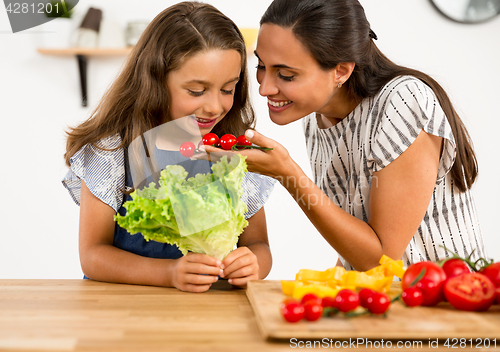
(351, 237)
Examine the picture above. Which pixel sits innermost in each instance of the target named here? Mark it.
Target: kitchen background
(40, 97)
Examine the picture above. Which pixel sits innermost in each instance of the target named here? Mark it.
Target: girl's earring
(339, 85)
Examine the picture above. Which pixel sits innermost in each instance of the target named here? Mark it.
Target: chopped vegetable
(331, 281)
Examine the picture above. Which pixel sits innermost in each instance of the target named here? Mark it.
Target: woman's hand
(275, 163)
(195, 272)
(240, 266)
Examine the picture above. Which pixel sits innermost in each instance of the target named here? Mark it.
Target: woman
(392, 161)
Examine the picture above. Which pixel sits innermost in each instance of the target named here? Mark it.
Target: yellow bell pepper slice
(287, 286)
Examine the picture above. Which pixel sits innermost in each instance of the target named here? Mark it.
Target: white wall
(40, 97)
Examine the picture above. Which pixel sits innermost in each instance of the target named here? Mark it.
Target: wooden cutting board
(401, 322)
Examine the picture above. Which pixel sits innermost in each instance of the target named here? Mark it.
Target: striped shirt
(104, 174)
(345, 156)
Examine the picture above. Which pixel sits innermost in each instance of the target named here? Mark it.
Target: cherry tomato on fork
(210, 139)
(243, 141)
(227, 141)
(187, 149)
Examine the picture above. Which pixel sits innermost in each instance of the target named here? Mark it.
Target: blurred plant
(59, 8)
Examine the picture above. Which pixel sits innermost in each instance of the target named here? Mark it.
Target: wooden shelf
(85, 51)
(81, 55)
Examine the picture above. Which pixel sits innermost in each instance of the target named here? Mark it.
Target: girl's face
(204, 87)
(289, 76)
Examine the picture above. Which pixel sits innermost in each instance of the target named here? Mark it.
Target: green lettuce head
(203, 214)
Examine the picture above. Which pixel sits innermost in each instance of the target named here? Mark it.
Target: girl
(190, 61)
(392, 161)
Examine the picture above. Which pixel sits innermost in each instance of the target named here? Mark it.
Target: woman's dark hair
(336, 31)
(139, 99)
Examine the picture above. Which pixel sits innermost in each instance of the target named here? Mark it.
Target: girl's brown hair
(337, 31)
(139, 100)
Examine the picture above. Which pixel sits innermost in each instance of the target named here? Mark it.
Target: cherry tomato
(242, 140)
(412, 297)
(313, 310)
(364, 294)
(431, 284)
(454, 267)
(328, 302)
(210, 139)
(187, 149)
(471, 292)
(497, 294)
(292, 311)
(378, 303)
(227, 141)
(346, 300)
(310, 297)
(492, 271)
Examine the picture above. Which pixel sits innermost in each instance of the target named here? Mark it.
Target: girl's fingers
(242, 281)
(202, 259)
(241, 272)
(198, 279)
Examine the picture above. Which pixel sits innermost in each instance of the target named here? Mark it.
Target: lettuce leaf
(203, 214)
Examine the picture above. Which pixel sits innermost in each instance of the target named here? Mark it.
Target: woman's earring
(339, 85)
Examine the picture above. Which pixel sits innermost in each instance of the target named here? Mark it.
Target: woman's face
(203, 89)
(289, 76)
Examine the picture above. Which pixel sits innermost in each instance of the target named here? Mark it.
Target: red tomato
(364, 294)
(310, 297)
(187, 149)
(328, 302)
(292, 311)
(471, 292)
(313, 310)
(431, 284)
(378, 303)
(346, 300)
(412, 297)
(210, 139)
(227, 141)
(454, 267)
(492, 271)
(497, 294)
(242, 140)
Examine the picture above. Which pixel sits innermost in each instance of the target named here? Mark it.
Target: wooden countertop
(84, 315)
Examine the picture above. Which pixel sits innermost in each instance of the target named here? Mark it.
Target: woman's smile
(278, 105)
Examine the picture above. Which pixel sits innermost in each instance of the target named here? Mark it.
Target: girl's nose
(213, 105)
(267, 86)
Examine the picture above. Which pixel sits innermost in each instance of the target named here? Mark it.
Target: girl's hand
(195, 272)
(240, 266)
(275, 163)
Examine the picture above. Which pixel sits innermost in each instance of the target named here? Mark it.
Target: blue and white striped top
(345, 156)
